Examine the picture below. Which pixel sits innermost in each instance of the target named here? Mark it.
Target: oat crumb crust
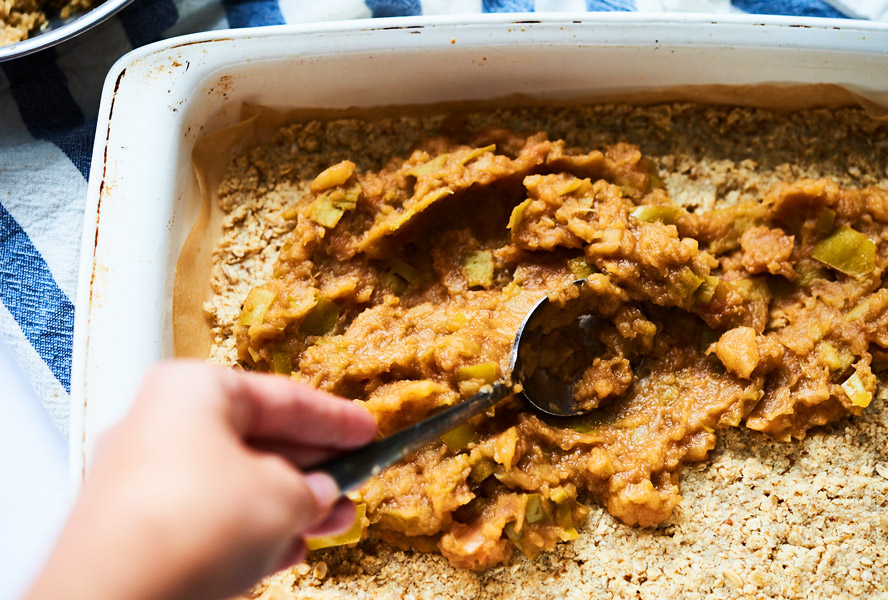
(761, 518)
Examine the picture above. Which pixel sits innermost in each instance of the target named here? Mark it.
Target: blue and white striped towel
(48, 106)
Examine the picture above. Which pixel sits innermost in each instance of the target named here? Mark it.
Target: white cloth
(33, 477)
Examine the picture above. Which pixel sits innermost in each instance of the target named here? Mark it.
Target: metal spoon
(545, 392)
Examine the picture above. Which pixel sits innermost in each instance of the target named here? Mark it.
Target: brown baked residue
(403, 289)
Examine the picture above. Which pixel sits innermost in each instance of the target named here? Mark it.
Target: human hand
(198, 492)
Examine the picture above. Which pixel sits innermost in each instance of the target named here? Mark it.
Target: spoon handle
(351, 470)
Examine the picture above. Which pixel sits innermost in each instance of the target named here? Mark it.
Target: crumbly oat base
(761, 518)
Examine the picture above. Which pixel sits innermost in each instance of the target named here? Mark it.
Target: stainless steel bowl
(60, 30)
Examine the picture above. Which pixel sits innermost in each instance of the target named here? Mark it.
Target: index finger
(274, 408)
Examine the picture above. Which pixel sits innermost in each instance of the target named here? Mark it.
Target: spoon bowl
(545, 391)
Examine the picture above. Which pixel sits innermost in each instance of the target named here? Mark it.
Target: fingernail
(324, 489)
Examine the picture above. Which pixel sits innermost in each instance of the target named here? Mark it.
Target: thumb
(313, 502)
(304, 500)
(324, 490)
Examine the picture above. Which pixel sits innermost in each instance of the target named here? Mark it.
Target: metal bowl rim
(54, 36)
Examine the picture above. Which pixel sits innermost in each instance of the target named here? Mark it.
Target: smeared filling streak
(404, 288)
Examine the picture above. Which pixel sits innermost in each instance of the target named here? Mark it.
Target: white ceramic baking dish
(159, 99)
